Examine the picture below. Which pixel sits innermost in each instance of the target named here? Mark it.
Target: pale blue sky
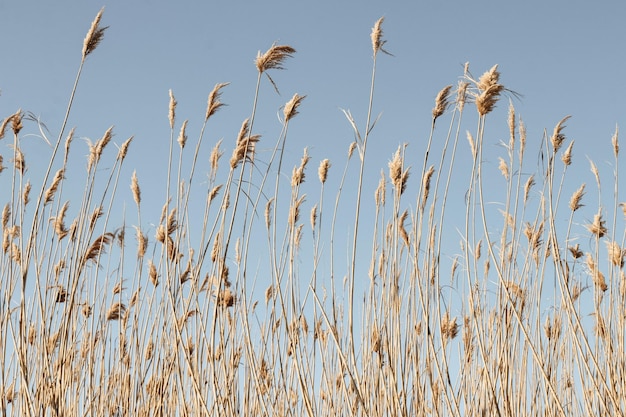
(563, 57)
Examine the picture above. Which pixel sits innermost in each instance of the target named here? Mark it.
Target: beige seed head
(322, 171)
(504, 169)
(313, 217)
(574, 202)
(214, 103)
(134, 186)
(268, 211)
(274, 57)
(26, 193)
(6, 215)
(214, 159)
(19, 161)
(245, 147)
(182, 136)
(172, 110)
(68, 142)
(597, 227)
(472, 144)
(558, 137)
(489, 91)
(461, 94)
(395, 169)
(616, 254)
(152, 273)
(16, 122)
(567, 155)
(522, 139)
(213, 193)
(511, 122)
(121, 154)
(527, 186)
(116, 311)
(615, 141)
(291, 108)
(59, 221)
(142, 243)
(49, 194)
(426, 184)
(575, 251)
(441, 102)
(377, 36)
(351, 149)
(94, 35)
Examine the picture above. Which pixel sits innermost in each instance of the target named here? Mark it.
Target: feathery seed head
(134, 186)
(377, 36)
(461, 94)
(558, 137)
(182, 136)
(291, 108)
(214, 103)
(121, 154)
(94, 35)
(597, 227)
(246, 145)
(323, 170)
(273, 58)
(172, 109)
(567, 155)
(441, 102)
(489, 89)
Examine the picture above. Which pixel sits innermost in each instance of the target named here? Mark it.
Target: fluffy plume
(94, 35)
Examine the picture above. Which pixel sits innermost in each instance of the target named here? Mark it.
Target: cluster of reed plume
(201, 319)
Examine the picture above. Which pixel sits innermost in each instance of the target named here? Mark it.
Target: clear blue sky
(563, 57)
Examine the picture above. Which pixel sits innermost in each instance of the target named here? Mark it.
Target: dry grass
(234, 313)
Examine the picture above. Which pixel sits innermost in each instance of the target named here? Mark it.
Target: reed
(255, 307)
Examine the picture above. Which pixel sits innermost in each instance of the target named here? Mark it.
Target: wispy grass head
(274, 57)
(94, 36)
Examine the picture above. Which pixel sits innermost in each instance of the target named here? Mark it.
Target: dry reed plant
(237, 313)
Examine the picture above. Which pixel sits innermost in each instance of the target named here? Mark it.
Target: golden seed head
(615, 141)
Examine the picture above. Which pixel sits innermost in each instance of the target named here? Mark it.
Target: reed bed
(256, 307)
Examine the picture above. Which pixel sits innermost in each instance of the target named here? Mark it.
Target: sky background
(562, 57)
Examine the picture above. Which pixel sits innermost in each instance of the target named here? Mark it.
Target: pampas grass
(246, 310)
